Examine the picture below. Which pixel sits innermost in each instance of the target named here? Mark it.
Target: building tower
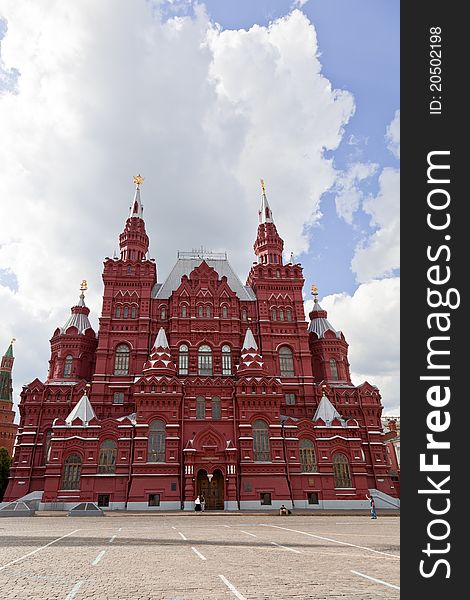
(7, 415)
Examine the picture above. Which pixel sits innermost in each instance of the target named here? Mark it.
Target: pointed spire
(137, 210)
(326, 411)
(6, 386)
(264, 213)
(133, 241)
(79, 314)
(83, 410)
(251, 362)
(159, 360)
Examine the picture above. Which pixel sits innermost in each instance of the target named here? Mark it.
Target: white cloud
(107, 90)
(379, 254)
(393, 135)
(370, 322)
(349, 195)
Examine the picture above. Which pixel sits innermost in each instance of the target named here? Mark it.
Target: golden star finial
(83, 285)
(262, 186)
(138, 180)
(314, 291)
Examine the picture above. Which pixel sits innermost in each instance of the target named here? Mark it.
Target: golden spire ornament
(262, 186)
(83, 285)
(314, 291)
(138, 180)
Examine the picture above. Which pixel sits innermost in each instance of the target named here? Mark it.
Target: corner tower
(7, 414)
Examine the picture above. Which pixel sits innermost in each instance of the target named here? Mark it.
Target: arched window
(133, 312)
(107, 458)
(156, 444)
(226, 360)
(261, 441)
(216, 407)
(308, 461)
(224, 312)
(333, 369)
(183, 364)
(118, 311)
(281, 315)
(68, 365)
(341, 471)
(208, 311)
(163, 312)
(121, 360)
(200, 407)
(71, 473)
(126, 312)
(278, 273)
(205, 360)
(47, 445)
(289, 314)
(184, 310)
(244, 315)
(273, 314)
(200, 311)
(286, 362)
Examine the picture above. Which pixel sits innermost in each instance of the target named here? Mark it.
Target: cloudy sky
(202, 99)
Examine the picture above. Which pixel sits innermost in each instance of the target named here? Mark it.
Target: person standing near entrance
(373, 514)
(197, 504)
(203, 502)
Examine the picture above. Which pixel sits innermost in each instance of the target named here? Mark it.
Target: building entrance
(213, 490)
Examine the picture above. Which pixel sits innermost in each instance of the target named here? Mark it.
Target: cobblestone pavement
(199, 557)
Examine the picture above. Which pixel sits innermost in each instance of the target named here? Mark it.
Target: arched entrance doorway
(213, 490)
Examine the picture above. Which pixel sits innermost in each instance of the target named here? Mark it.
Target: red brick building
(7, 415)
(199, 383)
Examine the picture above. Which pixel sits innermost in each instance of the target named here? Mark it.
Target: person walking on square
(197, 504)
(203, 502)
(373, 513)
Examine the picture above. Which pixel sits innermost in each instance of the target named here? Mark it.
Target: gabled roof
(184, 266)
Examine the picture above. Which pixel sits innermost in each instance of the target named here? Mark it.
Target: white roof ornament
(250, 341)
(326, 411)
(137, 210)
(161, 341)
(265, 214)
(82, 410)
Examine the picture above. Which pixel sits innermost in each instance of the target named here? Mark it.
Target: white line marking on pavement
(173, 527)
(182, 535)
(226, 526)
(120, 529)
(74, 590)
(232, 588)
(38, 549)
(112, 539)
(198, 553)
(396, 587)
(286, 548)
(98, 558)
(335, 541)
(248, 533)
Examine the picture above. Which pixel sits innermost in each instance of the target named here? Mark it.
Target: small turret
(134, 241)
(268, 245)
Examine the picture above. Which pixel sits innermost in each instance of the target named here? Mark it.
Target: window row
(281, 314)
(126, 312)
(204, 360)
(203, 311)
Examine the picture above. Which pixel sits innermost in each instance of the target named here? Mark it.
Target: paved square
(199, 557)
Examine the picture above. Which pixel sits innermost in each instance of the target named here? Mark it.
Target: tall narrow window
(118, 311)
(244, 315)
(200, 311)
(68, 365)
(224, 312)
(289, 314)
(205, 360)
(286, 362)
(163, 312)
(126, 312)
(107, 458)
(216, 407)
(184, 310)
(133, 312)
(281, 315)
(226, 360)
(47, 445)
(308, 460)
(200, 407)
(273, 314)
(261, 441)
(183, 364)
(208, 311)
(71, 473)
(121, 361)
(333, 369)
(341, 472)
(156, 443)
